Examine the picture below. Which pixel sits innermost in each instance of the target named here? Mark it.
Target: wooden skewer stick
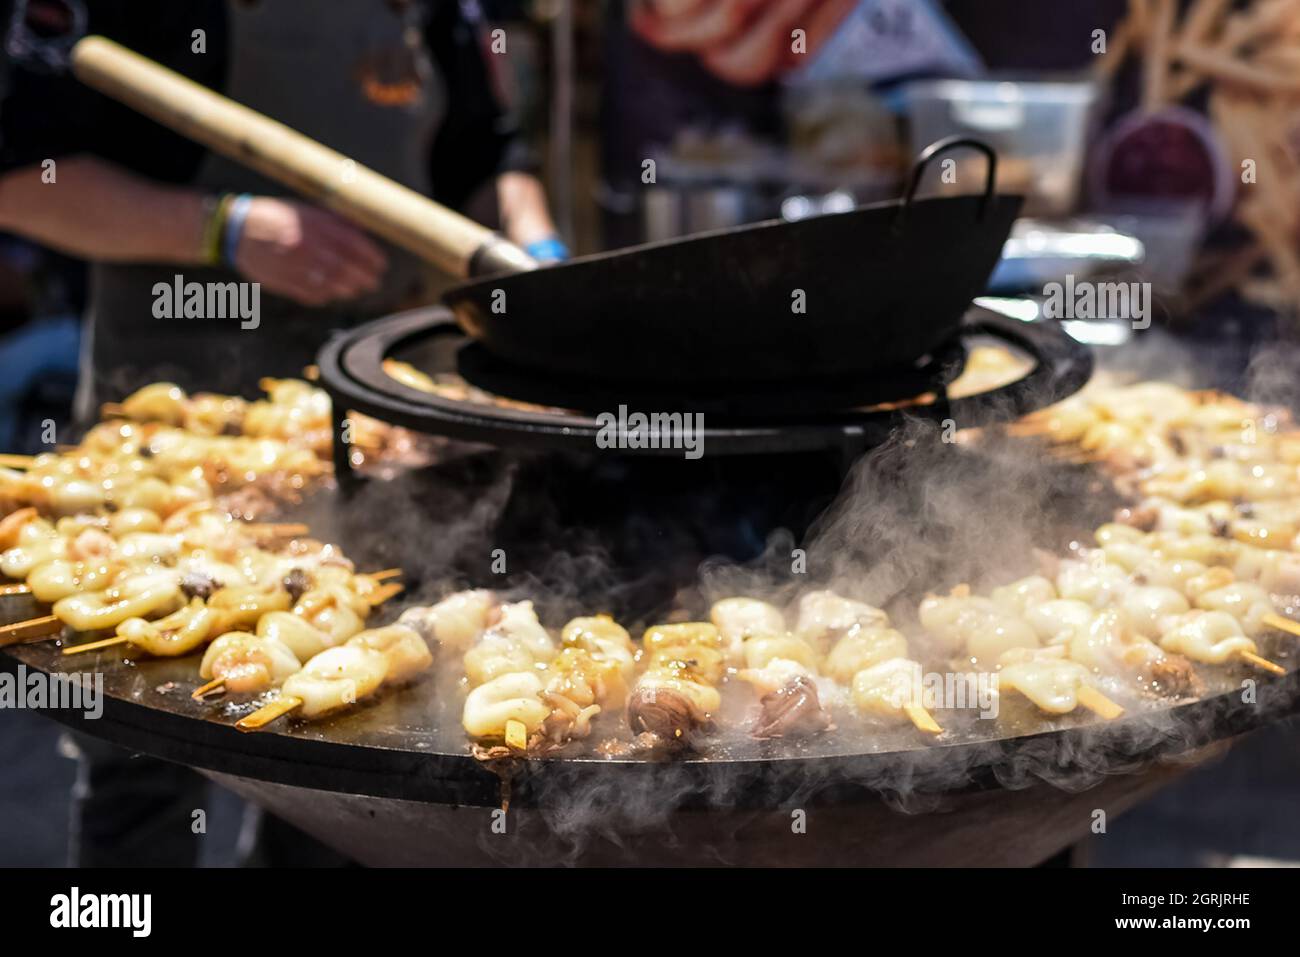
(17, 461)
(269, 712)
(33, 629)
(1155, 65)
(278, 529)
(382, 575)
(1232, 70)
(1202, 15)
(516, 735)
(923, 720)
(202, 691)
(18, 588)
(1098, 703)
(112, 410)
(96, 645)
(1263, 664)
(1282, 624)
(385, 592)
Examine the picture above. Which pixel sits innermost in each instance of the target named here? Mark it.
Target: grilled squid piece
(456, 622)
(1148, 609)
(1213, 638)
(505, 667)
(889, 690)
(1093, 580)
(1111, 649)
(335, 679)
(826, 617)
(605, 641)
(176, 634)
(496, 706)
(1052, 682)
(294, 632)
(1249, 604)
(676, 696)
(861, 648)
(135, 596)
(1058, 621)
(242, 606)
(517, 642)
(247, 664)
(975, 627)
(339, 677)
(34, 543)
(403, 648)
(1021, 595)
(740, 618)
(62, 578)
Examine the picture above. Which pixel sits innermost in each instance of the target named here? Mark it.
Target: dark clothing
(47, 115)
(318, 74)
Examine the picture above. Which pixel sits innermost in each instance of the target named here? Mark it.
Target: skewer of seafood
(242, 662)
(198, 580)
(340, 677)
(996, 633)
(781, 667)
(866, 655)
(676, 696)
(527, 693)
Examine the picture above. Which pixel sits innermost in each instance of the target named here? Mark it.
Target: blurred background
(1155, 140)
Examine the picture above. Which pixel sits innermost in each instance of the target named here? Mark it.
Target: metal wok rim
(704, 236)
(351, 370)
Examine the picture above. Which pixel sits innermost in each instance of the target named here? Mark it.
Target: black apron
(305, 70)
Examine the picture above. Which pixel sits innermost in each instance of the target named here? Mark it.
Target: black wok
(839, 294)
(882, 285)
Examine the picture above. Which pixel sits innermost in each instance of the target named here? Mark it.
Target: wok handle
(943, 146)
(450, 241)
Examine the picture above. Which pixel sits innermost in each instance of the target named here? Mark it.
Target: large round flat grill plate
(388, 750)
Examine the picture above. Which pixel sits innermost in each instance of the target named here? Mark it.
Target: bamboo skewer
(385, 592)
(923, 720)
(213, 686)
(1272, 667)
(96, 645)
(382, 575)
(1279, 623)
(278, 529)
(1098, 703)
(17, 588)
(516, 735)
(33, 629)
(272, 710)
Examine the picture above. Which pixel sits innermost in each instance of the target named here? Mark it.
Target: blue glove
(551, 249)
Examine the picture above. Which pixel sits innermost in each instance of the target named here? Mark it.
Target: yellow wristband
(214, 228)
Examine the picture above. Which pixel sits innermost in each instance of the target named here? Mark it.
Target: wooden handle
(449, 240)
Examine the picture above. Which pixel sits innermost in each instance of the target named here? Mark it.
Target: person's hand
(307, 254)
(743, 42)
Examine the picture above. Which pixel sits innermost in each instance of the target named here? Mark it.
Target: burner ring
(352, 372)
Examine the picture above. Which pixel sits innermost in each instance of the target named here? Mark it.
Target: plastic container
(1040, 129)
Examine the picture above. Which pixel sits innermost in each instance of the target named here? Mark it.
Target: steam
(919, 514)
